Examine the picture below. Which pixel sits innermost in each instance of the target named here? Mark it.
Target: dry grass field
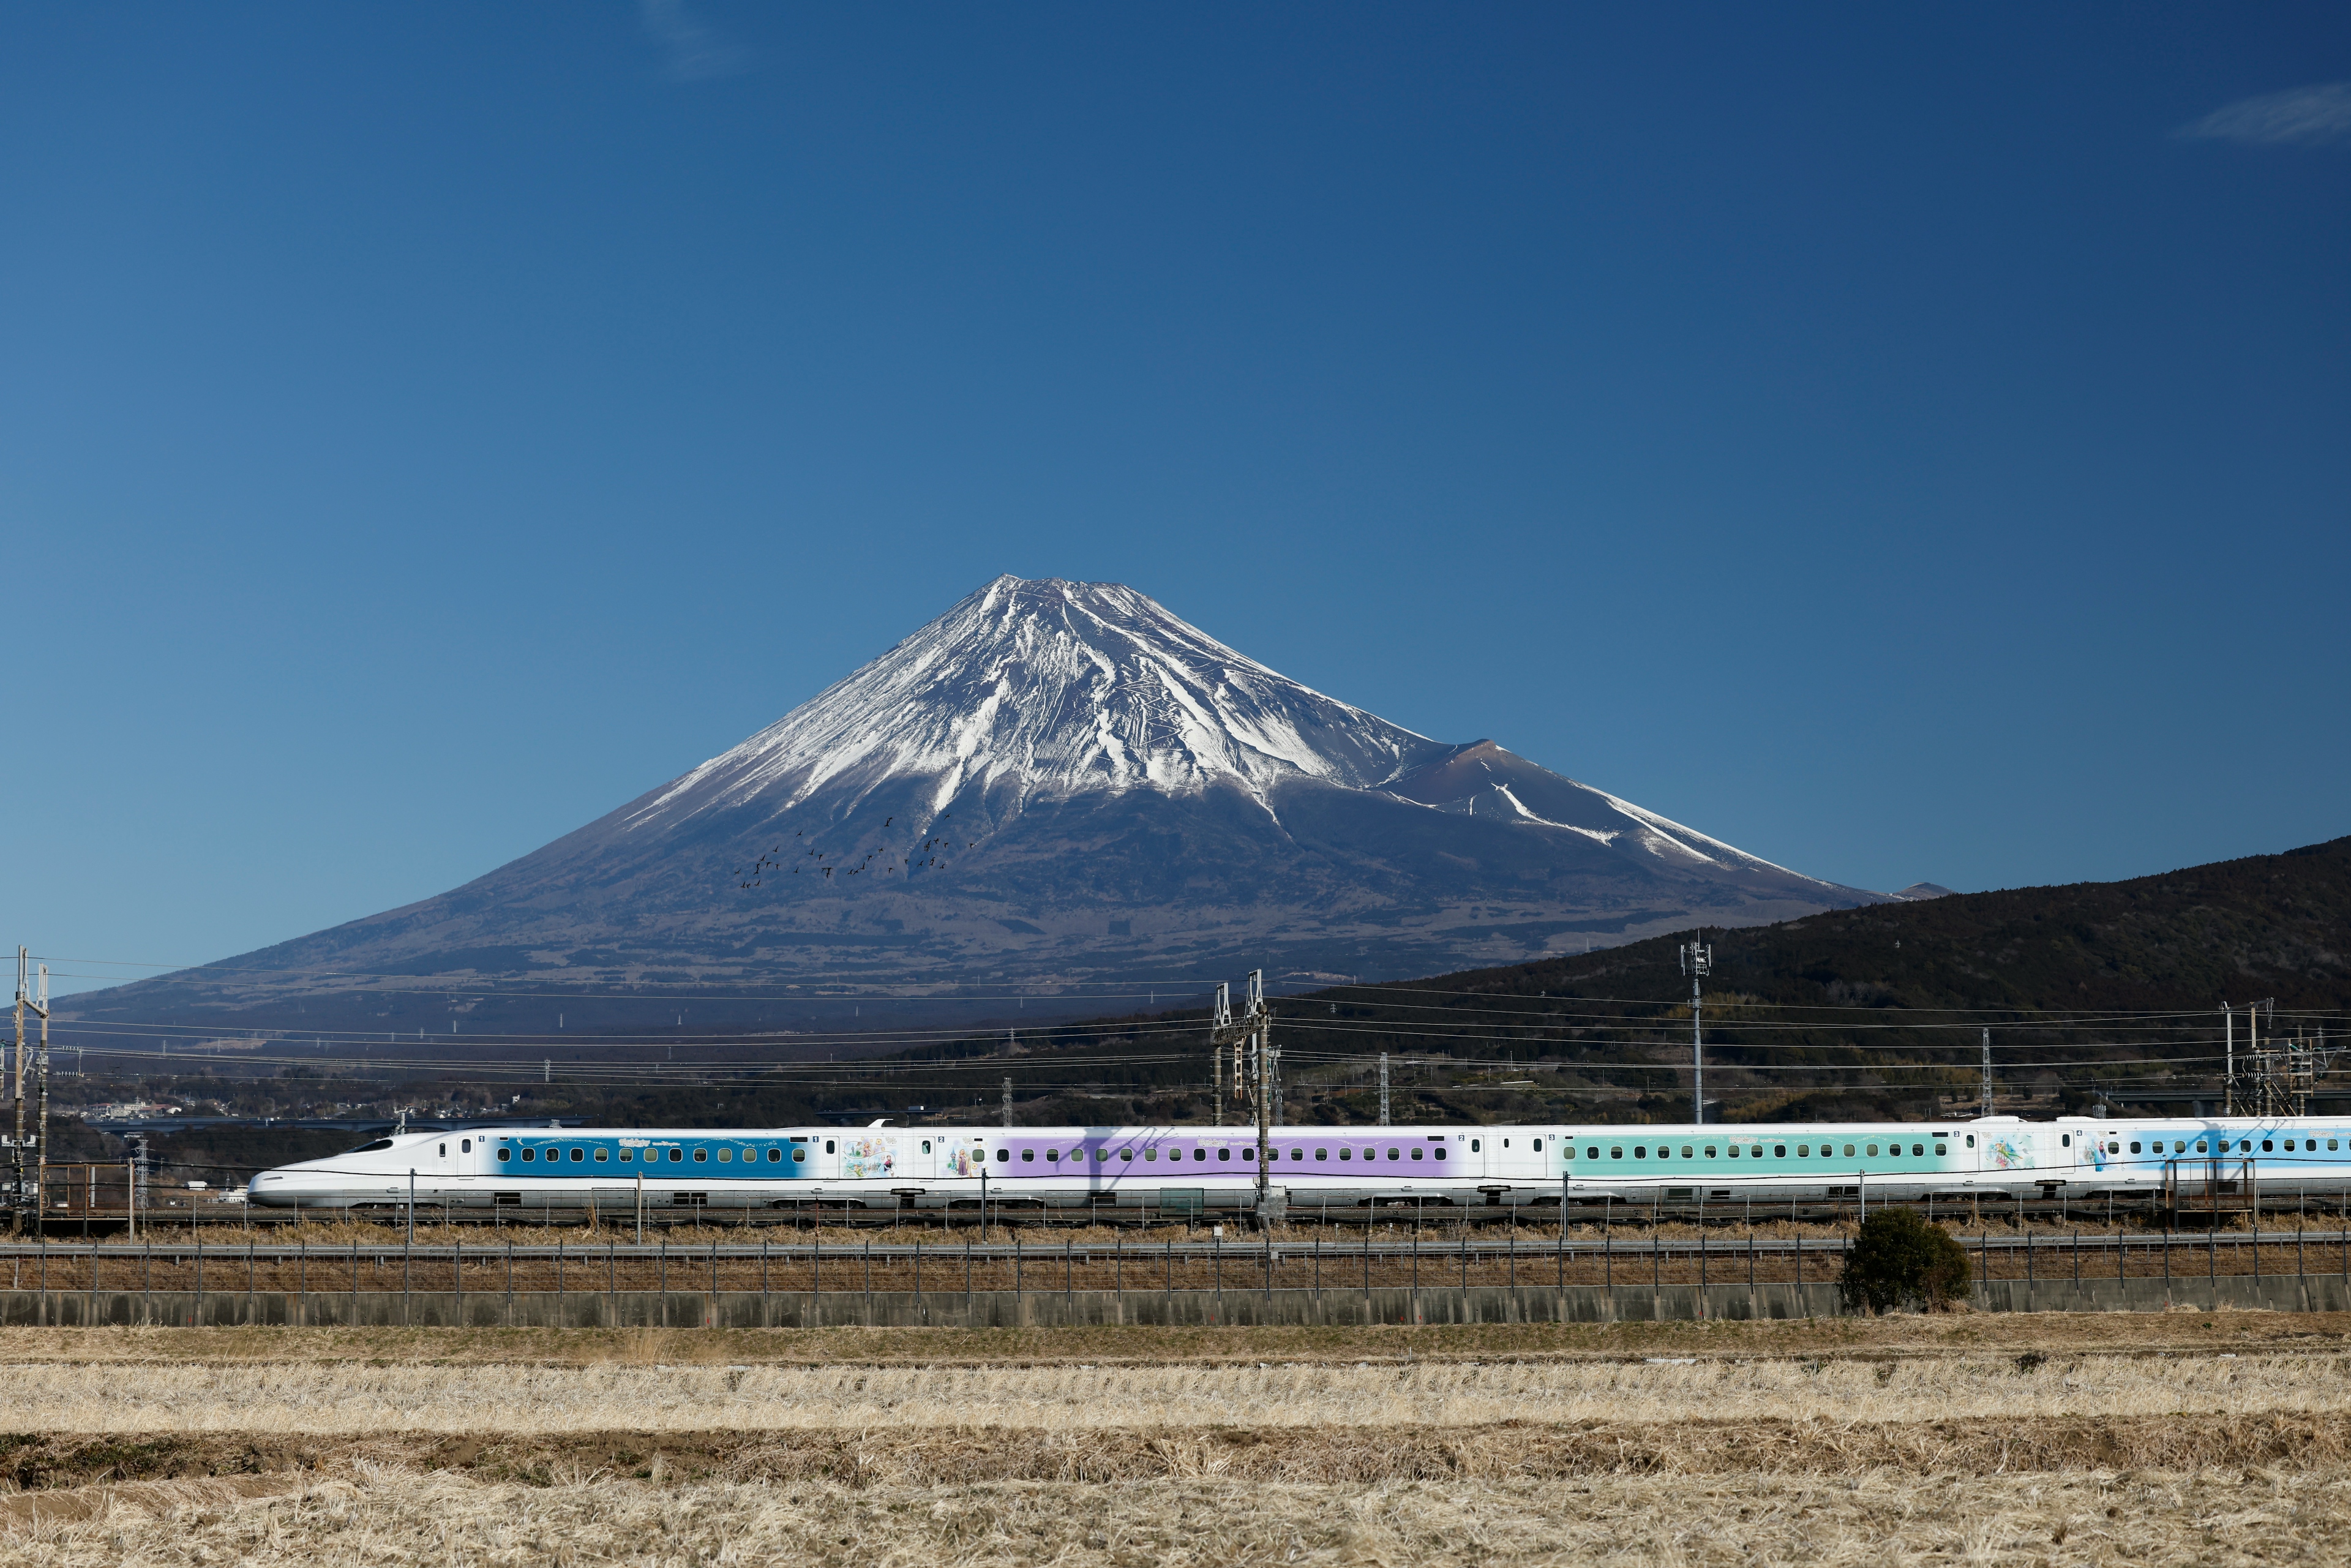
(2176, 1438)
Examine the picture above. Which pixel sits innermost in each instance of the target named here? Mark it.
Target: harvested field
(351, 1398)
(380, 1515)
(2168, 1439)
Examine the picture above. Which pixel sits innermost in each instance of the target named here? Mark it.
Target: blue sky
(1909, 442)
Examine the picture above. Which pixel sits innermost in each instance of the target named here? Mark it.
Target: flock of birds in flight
(926, 858)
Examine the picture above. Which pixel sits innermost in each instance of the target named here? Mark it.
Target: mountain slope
(1052, 784)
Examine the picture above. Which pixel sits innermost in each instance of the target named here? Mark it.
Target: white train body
(1216, 1167)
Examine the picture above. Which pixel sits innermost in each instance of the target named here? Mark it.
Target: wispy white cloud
(2302, 116)
(694, 52)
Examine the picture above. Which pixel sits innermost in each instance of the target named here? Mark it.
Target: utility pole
(16, 1092)
(41, 1134)
(1987, 1072)
(1697, 962)
(1383, 1089)
(2229, 1061)
(1219, 1023)
(1255, 1025)
(1008, 1102)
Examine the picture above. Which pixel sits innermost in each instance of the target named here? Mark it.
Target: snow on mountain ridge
(1064, 688)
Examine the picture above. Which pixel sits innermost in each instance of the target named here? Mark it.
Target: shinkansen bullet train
(881, 1166)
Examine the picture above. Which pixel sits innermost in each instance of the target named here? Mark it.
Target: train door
(1516, 1155)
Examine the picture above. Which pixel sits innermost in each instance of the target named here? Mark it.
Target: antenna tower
(1697, 962)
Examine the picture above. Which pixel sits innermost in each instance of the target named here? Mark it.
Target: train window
(800, 1156)
(2113, 1148)
(1871, 1149)
(506, 1154)
(2199, 1146)
(926, 1149)
(1345, 1152)
(1224, 1154)
(1473, 1145)
(1298, 1153)
(1941, 1149)
(444, 1151)
(677, 1155)
(1616, 1153)
(628, 1156)
(827, 1145)
(1415, 1153)
(1251, 1154)
(1591, 1151)
(1126, 1154)
(725, 1156)
(578, 1154)
(701, 1155)
(1440, 1152)
(1200, 1154)
(603, 1154)
(2064, 1140)
(775, 1156)
(530, 1154)
(1506, 1142)
(1538, 1145)
(1709, 1151)
(1848, 1148)
(1804, 1149)
(1971, 1140)
(2134, 1145)
(1685, 1151)
(1028, 1155)
(2180, 1146)
(1640, 1151)
(1151, 1154)
(1052, 1156)
(1003, 1155)
(2265, 1146)
(1395, 1154)
(1779, 1151)
(464, 1145)
(1733, 1151)
(1322, 1153)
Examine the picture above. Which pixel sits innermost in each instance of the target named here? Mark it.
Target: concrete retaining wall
(1047, 1309)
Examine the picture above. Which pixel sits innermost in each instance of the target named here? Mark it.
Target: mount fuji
(1054, 785)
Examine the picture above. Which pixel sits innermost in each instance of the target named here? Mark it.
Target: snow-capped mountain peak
(1057, 689)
